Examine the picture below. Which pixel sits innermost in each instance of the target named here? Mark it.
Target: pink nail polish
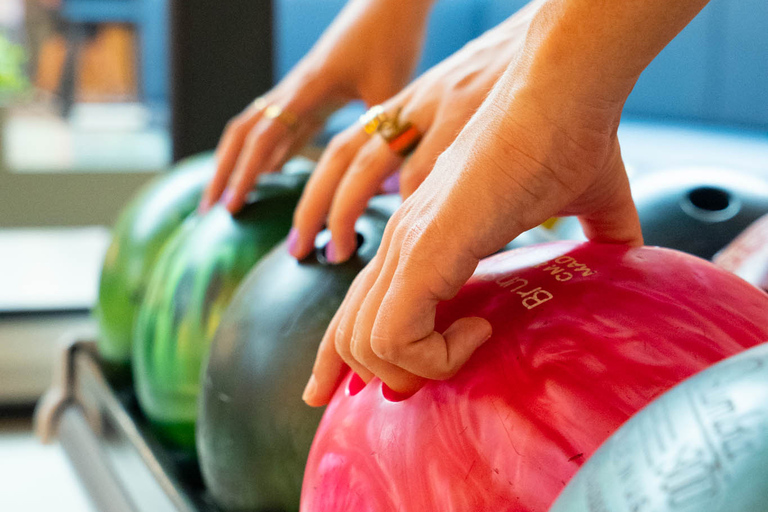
(356, 385)
(293, 240)
(226, 197)
(392, 395)
(203, 207)
(392, 184)
(330, 252)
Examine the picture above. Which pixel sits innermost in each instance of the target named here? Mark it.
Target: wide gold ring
(277, 112)
(401, 137)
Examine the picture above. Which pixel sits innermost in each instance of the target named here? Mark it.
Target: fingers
(399, 312)
(349, 174)
(351, 171)
(310, 214)
(385, 327)
(344, 327)
(435, 356)
(330, 367)
(227, 152)
(373, 163)
(263, 136)
(267, 142)
(355, 329)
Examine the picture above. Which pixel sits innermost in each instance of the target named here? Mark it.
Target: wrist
(601, 48)
(573, 57)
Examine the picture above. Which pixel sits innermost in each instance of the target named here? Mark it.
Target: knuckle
(357, 350)
(410, 234)
(385, 348)
(342, 344)
(445, 372)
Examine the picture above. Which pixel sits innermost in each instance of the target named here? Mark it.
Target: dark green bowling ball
(142, 229)
(191, 286)
(254, 432)
(698, 210)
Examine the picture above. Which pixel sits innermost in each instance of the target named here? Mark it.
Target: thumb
(615, 218)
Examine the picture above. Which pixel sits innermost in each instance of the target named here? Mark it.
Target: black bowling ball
(254, 431)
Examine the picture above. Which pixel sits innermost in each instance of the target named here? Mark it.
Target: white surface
(98, 137)
(11, 13)
(34, 477)
(648, 146)
(50, 269)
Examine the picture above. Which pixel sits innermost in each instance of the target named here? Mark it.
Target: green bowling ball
(140, 233)
(190, 288)
(254, 431)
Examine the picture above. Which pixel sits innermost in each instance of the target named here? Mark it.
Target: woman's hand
(439, 104)
(368, 53)
(520, 160)
(543, 143)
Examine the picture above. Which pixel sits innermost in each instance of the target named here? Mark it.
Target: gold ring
(259, 103)
(401, 137)
(289, 119)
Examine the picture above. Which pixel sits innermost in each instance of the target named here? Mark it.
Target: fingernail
(203, 207)
(392, 395)
(488, 334)
(226, 197)
(330, 252)
(293, 240)
(310, 390)
(392, 184)
(356, 384)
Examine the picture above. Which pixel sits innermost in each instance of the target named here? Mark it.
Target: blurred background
(98, 96)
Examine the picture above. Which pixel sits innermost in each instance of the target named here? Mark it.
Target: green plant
(13, 80)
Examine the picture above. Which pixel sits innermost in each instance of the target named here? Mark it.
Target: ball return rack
(115, 454)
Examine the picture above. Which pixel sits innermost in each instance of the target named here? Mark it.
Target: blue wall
(716, 70)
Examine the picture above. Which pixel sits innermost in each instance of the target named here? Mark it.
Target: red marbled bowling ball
(584, 335)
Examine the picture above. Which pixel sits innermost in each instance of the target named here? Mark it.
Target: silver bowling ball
(700, 447)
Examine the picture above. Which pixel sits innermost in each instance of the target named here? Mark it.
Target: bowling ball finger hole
(355, 385)
(711, 204)
(710, 199)
(321, 256)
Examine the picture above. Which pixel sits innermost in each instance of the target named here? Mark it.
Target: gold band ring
(401, 137)
(260, 103)
(277, 112)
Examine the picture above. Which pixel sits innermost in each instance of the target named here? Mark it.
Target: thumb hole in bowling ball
(320, 251)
